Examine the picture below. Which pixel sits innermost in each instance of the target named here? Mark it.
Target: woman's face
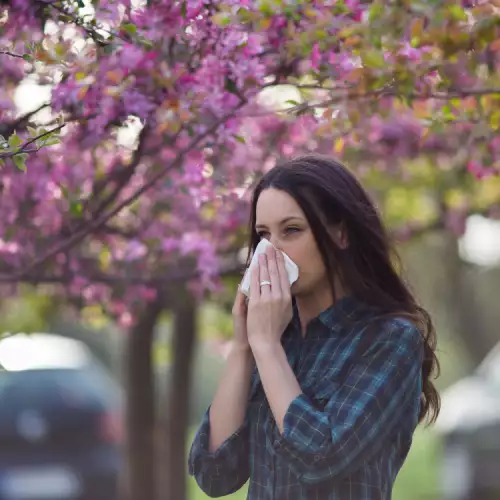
(280, 220)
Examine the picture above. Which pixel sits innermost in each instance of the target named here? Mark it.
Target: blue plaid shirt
(347, 435)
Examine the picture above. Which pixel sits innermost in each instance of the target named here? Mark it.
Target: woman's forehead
(275, 198)
(276, 207)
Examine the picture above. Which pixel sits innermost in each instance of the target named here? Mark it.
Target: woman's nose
(275, 242)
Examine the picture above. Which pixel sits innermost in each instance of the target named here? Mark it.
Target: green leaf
(375, 11)
(221, 19)
(2, 163)
(184, 8)
(64, 18)
(14, 141)
(415, 42)
(448, 113)
(76, 208)
(130, 28)
(457, 13)
(495, 120)
(33, 131)
(340, 8)
(64, 191)
(266, 8)
(373, 59)
(376, 41)
(230, 86)
(484, 29)
(105, 257)
(108, 49)
(52, 141)
(240, 139)
(20, 161)
(292, 102)
(28, 57)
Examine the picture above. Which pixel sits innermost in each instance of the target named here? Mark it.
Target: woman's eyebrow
(284, 221)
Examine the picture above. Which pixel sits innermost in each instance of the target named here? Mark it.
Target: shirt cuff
(305, 433)
(215, 463)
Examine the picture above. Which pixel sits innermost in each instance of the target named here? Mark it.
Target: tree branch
(89, 29)
(231, 266)
(98, 222)
(11, 54)
(125, 174)
(348, 95)
(421, 96)
(392, 92)
(24, 147)
(175, 276)
(8, 128)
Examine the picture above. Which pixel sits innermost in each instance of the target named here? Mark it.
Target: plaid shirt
(347, 435)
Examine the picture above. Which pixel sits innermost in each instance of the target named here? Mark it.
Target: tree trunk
(465, 310)
(176, 423)
(140, 409)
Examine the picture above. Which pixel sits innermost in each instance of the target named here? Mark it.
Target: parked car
(60, 421)
(470, 427)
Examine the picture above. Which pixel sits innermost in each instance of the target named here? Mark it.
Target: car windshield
(38, 386)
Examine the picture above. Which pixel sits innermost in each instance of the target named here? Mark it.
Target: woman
(326, 380)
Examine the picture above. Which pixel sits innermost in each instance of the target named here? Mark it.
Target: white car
(469, 423)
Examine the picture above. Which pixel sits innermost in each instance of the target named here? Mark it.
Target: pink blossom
(144, 112)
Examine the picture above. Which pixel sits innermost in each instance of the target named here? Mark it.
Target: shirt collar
(335, 317)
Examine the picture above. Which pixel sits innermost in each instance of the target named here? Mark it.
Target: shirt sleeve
(382, 386)
(224, 471)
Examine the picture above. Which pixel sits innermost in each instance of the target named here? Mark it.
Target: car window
(78, 385)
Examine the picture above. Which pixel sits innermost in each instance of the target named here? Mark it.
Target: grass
(417, 480)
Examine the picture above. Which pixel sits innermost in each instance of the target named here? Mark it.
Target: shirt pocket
(320, 391)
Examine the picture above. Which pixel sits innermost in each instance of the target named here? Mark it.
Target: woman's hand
(270, 303)
(240, 321)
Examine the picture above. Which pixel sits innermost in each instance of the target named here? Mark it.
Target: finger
(265, 290)
(240, 301)
(283, 274)
(254, 282)
(272, 266)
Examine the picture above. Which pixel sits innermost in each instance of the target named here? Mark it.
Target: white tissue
(291, 268)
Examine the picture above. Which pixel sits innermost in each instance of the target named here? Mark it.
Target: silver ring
(263, 283)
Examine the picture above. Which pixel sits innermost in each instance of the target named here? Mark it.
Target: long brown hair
(329, 194)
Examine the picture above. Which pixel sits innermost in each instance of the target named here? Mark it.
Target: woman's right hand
(240, 320)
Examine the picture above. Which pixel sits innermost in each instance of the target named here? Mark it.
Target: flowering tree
(372, 81)
(129, 179)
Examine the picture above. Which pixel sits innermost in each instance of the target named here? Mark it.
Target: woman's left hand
(270, 303)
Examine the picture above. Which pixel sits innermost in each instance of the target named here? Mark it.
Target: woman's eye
(262, 234)
(289, 230)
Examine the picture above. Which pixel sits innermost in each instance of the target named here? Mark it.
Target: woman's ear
(339, 235)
